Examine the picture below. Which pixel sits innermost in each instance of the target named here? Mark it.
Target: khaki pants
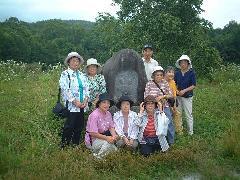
(101, 148)
(177, 119)
(185, 104)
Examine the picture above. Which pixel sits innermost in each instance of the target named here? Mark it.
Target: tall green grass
(29, 133)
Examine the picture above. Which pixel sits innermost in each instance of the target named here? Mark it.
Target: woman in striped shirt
(149, 122)
(159, 88)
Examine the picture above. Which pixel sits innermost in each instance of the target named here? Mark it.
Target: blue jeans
(171, 128)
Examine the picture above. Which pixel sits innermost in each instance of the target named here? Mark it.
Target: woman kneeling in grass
(125, 123)
(100, 133)
(153, 126)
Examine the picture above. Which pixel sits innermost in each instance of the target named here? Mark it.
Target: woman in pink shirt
(100, 133)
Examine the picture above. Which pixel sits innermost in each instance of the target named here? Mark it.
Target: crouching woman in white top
(125, 126)
(153, 126)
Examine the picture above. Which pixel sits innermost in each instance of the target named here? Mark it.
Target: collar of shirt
(156, 112)
(150, 61)
(120, 114)
(102, 113)
(70, 71)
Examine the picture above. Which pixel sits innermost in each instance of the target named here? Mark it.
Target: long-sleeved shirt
(119, 124)
(142, 122)
(72, 93)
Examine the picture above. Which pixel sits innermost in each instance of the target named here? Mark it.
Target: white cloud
(220, 12)
(33, 10)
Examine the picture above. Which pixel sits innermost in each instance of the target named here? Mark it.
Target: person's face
(169, 75)
(147, 53)
(74, 63)
(104, 105)
(92, 70)
(158, 76)
(150, 107)
(125, 106)
(183, 64)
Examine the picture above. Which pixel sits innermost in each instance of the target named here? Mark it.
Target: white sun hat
(157, 68)
(93, 61)
(183, 57)
(71, 55)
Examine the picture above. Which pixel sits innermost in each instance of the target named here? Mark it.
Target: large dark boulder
(125, 74)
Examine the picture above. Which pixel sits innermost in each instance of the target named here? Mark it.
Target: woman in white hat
(96, 81)
(159, 88)
(74, 89)
(185, 80)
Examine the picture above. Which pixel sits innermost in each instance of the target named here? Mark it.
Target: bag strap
(159, 87)
(59, 91)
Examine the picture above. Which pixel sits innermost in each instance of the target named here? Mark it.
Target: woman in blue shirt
(185, 80)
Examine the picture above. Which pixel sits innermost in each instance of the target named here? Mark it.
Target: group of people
(152, 128)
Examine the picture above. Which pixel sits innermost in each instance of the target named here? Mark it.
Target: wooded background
(172, 27)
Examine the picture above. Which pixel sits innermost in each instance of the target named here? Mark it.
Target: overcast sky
(219, 12)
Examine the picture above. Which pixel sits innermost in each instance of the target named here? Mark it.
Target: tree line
(172, 27)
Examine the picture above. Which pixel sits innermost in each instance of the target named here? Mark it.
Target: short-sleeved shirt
(149, 67)
(98, 122)
(97, 86)
(185, 80)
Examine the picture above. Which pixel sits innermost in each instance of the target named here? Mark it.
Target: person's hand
(174, 108)
(141, 110)
(110, 139)
(160, 106)
(159, 98)
(115, 137)
(131, 142)
(126, 141)
(77, 103)
(95, 101)
(83, 105)
(181, 93)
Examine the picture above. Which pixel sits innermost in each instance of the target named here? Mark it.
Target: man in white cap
(148, 61)
(185, 80)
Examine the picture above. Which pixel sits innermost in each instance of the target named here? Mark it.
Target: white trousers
(185, 104)
(101, 148)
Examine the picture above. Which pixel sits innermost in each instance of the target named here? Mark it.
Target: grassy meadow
(29, 133)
